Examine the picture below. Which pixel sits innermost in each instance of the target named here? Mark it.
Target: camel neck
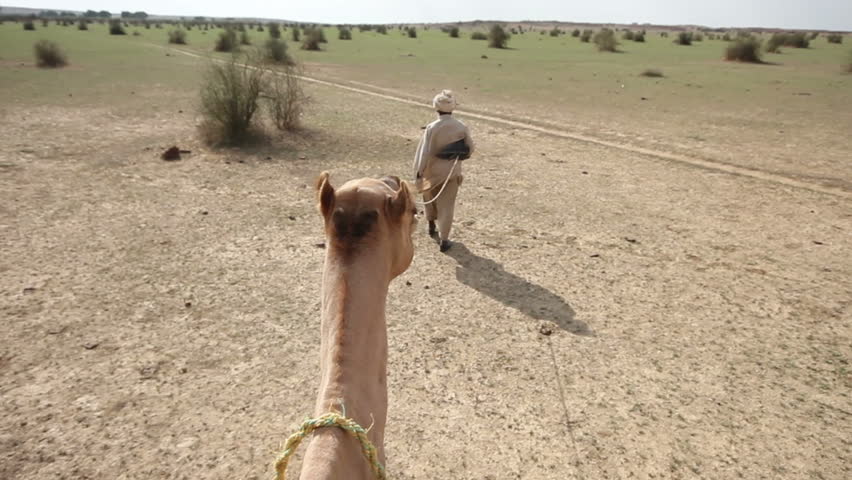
(353, 352)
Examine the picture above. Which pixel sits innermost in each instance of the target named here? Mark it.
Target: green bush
(726, 37)
(312, 40)
(586, 36)
(454, 32)
(115, 28)
(177, 37)
(344, 34)
(229, 100)
(575, 33)
(245, 39)
(227, 41)
(498, 37)
(29, 25)
(745, 49)
(605, 40)
(275, 51)
(628, 35)
(274, 30)
(412, 32)
(294, 34)
(684, 38)
(555, 32)
(697, 37)
(382, 29)
(639, 37)
(49, 55)
(478, 36)
(834, 38)
(82, 25)
(664, 34)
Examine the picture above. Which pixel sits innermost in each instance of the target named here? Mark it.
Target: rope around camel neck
(330, 420)
(447, 180)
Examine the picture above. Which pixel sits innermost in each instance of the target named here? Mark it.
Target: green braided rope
(329, 420)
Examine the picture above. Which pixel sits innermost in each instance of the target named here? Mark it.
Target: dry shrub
(498, 37)
(683, 38)
(313, 39)
(605, 40)
(286, 98)
(229, 100)
(178, 37)
(49, 55)
(478, 36)
(116, 28)
(275, 51)
(227, 41)
(744, 49)
(628, 35)
(586, 36)
(834, 38)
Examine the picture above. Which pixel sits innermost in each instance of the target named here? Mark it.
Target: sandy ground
(603, 314)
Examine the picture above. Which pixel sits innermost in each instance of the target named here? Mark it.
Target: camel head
(369, 214)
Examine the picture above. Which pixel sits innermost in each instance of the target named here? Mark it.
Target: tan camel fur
(368, 227)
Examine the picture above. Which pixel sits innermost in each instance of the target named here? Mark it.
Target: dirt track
(160, 319)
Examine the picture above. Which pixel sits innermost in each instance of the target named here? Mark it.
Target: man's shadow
(490, 278)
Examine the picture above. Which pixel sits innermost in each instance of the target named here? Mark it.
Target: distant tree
(104, 14)
(454, 32)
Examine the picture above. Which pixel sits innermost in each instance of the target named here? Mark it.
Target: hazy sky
(806, 14)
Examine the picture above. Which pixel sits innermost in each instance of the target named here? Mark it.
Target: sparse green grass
(540, 76)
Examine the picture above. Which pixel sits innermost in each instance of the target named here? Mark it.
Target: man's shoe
(445, 245)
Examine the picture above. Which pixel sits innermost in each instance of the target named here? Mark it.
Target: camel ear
(325, 194)
(402, 204)
(392, 181)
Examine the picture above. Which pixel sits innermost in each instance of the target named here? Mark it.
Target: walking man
(437, 166)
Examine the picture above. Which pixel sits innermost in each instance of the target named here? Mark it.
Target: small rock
(91, 345)
(187, 304)
(631, 240)
(302, 157)
(595, 255)
(320, 245)
(644, 98)
(438, 339)
(484, 57)
(817, 242)
(291, 217)
(29, 290)
(56, 330)
(426, 287)
(584, 172)
(182, 370)
(180, 111)
(407, 283)
(545, 330)
(204, 212)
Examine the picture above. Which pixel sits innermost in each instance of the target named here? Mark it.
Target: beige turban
(444, 101)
